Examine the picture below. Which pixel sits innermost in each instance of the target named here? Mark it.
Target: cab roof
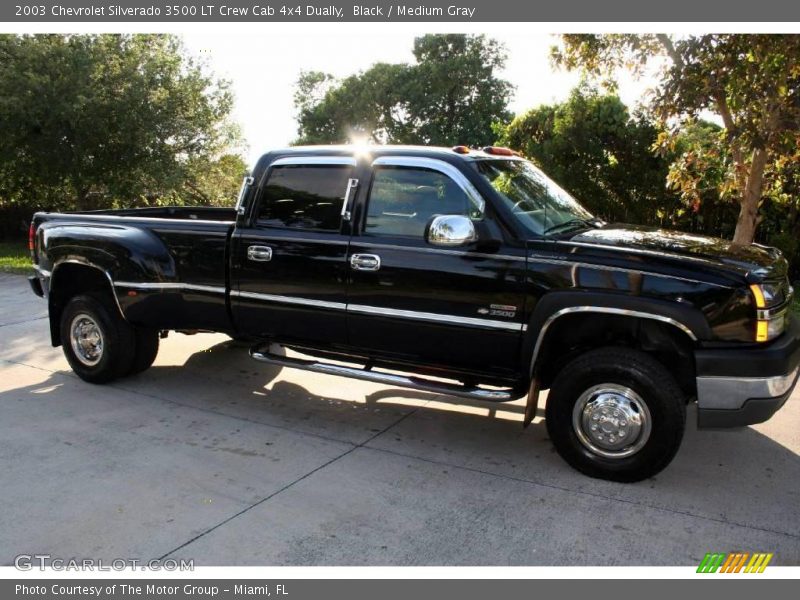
(380, 150)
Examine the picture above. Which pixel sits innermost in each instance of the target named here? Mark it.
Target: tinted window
(403, 200)
(537, 201)
(305, 196)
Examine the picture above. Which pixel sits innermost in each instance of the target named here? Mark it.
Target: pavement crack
(288, 485)
(258, 503)
(23, 321)
(366, 445)
(582, 493)
(38, 368)
(354, 446)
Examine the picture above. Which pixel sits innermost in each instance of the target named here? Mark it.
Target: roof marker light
(500, 151)
(461, 149)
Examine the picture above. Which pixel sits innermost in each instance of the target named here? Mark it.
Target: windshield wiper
(566, 225)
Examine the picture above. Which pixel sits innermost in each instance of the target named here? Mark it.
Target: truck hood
(755, 261)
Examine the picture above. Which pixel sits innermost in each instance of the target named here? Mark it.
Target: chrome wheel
(611, 420)
(86, 339)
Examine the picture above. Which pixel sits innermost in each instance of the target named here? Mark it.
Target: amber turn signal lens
(758, 295)
(762, 331)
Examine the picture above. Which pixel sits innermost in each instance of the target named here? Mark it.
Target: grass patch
(15, 258)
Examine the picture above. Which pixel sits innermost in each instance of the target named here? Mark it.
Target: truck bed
(167, 265)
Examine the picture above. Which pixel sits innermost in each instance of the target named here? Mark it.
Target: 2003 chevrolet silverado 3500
(468, 270)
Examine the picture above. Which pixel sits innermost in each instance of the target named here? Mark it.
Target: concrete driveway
(213, 457)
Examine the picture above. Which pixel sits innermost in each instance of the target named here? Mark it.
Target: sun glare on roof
(360, 143)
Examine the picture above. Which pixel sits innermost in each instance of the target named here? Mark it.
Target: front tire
(98, 343)
(616, 414)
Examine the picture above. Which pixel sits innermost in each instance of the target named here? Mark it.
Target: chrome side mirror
(450, 230)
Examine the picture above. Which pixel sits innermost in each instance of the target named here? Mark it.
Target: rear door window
(306, 197)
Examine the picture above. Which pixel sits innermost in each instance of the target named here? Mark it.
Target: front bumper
(744, 386)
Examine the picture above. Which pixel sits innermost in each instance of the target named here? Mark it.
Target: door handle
(259, 253)
(365, 262)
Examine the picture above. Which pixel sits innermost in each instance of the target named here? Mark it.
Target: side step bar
(261, 353)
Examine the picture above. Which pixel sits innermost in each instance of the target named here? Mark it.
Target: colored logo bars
(734, 562)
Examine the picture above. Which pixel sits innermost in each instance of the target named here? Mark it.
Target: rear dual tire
(147, 341)
(99, 344)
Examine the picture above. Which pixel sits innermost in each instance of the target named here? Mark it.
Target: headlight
(770, 323)
(774, 293)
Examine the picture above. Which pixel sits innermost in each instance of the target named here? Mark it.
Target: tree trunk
(748, 211)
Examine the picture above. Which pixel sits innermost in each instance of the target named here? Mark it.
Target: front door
(289, 265)
(408, 300)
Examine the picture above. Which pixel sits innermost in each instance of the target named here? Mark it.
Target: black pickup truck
(457, 271)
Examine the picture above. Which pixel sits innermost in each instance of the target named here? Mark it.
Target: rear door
(454, 307)
(289, 262)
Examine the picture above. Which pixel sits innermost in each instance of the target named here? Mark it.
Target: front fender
(550, 307)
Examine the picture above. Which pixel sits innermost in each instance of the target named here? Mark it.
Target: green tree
(209, 182)
(699, 161)
(751, 81)
(781, 209)
(369, 104)
(91, 120)
(601, 154)
(451, 94)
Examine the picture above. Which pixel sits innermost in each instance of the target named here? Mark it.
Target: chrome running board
(260, 353)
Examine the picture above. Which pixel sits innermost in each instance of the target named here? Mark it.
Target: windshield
(540, 204)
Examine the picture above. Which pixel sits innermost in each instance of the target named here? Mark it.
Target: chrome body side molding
(289, 300)
(382, 311)
(212, 289)
(436, 317)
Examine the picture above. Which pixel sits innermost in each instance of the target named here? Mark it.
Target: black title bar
(457, 11)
